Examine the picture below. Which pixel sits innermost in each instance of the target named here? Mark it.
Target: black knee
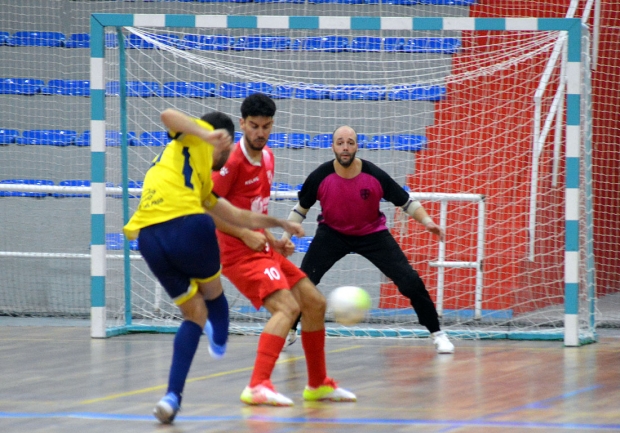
(411, 285)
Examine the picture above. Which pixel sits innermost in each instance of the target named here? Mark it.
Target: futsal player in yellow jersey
(178, 242)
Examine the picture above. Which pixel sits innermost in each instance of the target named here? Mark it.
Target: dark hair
(219, 120)
(258, 104)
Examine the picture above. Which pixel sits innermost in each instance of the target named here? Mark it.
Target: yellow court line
(197, 379)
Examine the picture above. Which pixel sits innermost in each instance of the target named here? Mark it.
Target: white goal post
(154, 51)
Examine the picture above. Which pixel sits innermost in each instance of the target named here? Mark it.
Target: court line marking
(539, 404)
(332, 421)
(201, 378)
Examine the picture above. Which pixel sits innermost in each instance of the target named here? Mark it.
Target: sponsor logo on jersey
(251, 181)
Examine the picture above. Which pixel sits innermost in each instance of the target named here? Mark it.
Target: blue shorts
(181, 253)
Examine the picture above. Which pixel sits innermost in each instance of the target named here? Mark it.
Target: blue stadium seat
(20, 86)
(432, 45)
(36, 39)
(25, 182)
(142, 89)
(135, 41)
(47, 137)
(280, 1)
(169, 39)
(400, 2)
(67, 88)
(311, 91)
(130, 184)
(4, 37)
(281, 187)
(321, 141)
(301, 244)
(259, 87)
(234, 90)
(111, 40)
(278, 140)
(393, 44)
(198, 42)
(334, 44)
(238, 135)
(188, 89)
(379, 142)
(78, 40)
(282, 91)
(410, 143)
(155, 138)
(348, 2)
(416, 92)
(297, 140)
(369, 92)
(116, 242)
(112, 139)
(223, 42)
(76, 182)
(257, 42)
(8, 136)
(362, 141)
(365, 43)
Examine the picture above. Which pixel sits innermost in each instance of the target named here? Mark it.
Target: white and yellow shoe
(328, 391)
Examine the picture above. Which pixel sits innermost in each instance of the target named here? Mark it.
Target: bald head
(344, 145)
(344, 131)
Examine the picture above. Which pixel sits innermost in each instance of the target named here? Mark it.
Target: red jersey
(245, 184)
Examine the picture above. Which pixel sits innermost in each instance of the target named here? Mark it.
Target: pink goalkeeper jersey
(351, 206)
(246, 185)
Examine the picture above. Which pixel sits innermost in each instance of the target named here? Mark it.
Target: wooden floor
(57, 379)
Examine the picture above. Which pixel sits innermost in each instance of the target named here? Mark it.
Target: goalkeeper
(350, 190)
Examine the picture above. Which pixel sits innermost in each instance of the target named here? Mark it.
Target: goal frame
(573, 76)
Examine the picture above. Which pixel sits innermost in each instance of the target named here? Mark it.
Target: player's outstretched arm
(224, 210)
(414, 209)
(298, 214)
(254, 240)
(177, 121)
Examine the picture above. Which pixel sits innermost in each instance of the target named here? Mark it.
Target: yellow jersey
(177, 184)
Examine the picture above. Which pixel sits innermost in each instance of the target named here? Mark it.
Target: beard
(346, 164)
(252, 144)
(217, 165)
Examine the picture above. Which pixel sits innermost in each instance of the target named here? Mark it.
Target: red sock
(269, 348)
(314, 348)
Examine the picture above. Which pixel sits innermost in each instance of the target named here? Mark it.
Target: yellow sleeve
(210, 201)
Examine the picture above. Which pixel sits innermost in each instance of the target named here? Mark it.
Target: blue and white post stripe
(572, 192)
(573, 133)
(97, 201)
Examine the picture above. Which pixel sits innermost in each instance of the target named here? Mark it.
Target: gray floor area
(57, 379)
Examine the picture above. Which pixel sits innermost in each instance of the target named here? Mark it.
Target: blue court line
(332, 421)
(540, 404)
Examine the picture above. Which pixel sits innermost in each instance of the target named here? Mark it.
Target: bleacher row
(115, 241)
(335, 44)
(201, 89)
(64, 137)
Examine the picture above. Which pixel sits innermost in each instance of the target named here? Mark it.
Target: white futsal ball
(349, 304)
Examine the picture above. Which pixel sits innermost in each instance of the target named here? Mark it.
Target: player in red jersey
(255, 262)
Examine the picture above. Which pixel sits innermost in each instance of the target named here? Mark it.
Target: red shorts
(257, 275)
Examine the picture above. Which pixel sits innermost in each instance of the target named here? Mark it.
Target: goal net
(453, 114)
